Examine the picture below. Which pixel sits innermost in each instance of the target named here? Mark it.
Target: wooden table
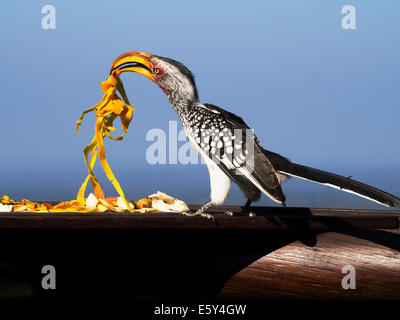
(280, 253)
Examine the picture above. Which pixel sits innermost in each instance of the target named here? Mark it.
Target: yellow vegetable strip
(121, 90)
(81, 194)
(98, 192)
(100, 104)
(102, 157)
(107, 109)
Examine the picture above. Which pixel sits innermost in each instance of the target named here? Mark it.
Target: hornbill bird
(222, 140)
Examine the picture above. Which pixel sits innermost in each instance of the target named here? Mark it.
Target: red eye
(158, 71)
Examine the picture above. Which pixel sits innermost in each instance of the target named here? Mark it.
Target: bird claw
(188, 213)
(208, 216)
(199, 212)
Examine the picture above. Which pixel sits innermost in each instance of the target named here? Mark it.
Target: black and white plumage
(228, 146)
(230, 149)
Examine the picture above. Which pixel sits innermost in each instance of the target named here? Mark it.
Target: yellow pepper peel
(107, 110)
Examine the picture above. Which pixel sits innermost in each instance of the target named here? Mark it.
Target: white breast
(220, 183)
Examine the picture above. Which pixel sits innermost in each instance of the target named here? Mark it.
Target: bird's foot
(207, 215)
(246, 209)
(197, 213)
(200, 212)
(229, 213)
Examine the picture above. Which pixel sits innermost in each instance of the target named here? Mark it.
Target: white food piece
(91, 202)
(160, 205)
(21, 209)
(5, 208)
(179, 206)
(162, 196)
(166, 203)
(121, 204)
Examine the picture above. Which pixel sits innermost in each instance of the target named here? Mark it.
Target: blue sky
(312, 91)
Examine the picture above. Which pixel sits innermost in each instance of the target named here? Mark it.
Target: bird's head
(172, 76)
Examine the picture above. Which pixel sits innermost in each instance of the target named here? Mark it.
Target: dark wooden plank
(163, 261)
(296, 271)
(267, 218)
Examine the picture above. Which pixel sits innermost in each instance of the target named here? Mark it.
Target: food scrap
(107, 110)
(157, 202)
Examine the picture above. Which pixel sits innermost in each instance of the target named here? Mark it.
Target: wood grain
(297, 271)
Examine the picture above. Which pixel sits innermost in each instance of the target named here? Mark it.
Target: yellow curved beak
(135, 61)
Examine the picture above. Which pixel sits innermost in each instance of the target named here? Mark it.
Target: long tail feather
(284, 166)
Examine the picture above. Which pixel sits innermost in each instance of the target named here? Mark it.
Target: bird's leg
(201, 211)
(246, 209)
(248, 203)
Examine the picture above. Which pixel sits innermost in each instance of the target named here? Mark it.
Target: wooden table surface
(266, 218)
(280, 253)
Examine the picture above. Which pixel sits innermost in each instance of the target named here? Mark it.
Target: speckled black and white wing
(225, 139)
